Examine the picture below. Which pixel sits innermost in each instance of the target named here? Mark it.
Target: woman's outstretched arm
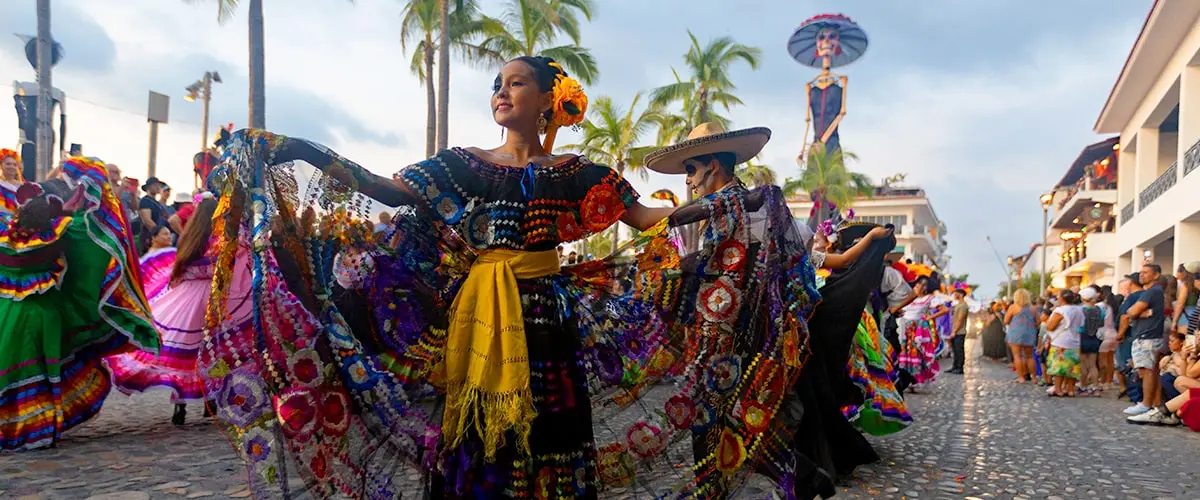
(382, 189)
(643, 217)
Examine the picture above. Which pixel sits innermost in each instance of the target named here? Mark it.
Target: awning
(1089, 155)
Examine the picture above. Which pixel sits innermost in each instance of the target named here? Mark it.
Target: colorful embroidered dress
(919, 354)
(358, 405)
(67, 299)
(179, 316)
(883, 410)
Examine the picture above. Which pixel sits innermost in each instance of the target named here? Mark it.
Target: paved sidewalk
(975, 436)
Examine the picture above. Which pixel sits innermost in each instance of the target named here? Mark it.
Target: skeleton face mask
(829, 42)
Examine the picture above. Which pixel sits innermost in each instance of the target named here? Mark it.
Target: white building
(1155, 107)
(920, 234)
(1084, 220)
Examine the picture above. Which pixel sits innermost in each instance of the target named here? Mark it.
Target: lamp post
(1046, 200)
(202, 89)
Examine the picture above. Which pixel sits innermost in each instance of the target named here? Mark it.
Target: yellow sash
(487, 359)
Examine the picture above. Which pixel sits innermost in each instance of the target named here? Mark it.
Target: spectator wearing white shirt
(1063, 336)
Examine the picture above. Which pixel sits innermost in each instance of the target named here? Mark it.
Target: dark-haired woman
(179, 307)
(55, 325)
(919, 354)
(529, 361)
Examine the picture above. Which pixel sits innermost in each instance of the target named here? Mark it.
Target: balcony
(1160, 185)
(1191, 159)
(1093, 250)
(1079, 202)
(1127, 212)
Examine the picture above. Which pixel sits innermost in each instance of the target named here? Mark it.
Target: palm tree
(826, 178)
(710, 83)
(258, 78)
(422, 23)
(755, 174)
(532, 26)
(611, 136)
(675, 127)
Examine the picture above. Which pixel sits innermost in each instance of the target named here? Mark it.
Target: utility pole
(1046, 200)
(45, 134)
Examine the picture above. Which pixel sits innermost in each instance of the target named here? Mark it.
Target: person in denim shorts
(1146, 322)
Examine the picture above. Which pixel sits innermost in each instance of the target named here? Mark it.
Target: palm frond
(578, 61)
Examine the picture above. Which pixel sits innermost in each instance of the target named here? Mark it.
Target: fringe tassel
(489, 415)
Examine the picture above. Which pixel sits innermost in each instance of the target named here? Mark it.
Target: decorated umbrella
(847, 39)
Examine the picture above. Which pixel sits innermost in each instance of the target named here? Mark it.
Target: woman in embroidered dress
(179, 300)
(532, 359)
(919, 356)
(55, 325)
(10, 179)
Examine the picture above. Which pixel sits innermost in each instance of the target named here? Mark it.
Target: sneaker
(1153, 417)
(1137, 409)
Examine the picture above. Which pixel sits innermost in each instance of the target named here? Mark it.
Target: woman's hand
(879, 233)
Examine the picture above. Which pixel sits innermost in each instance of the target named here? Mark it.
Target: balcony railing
(1191, 159)
(1159, 186)
(1075, 254)
(1127, 212)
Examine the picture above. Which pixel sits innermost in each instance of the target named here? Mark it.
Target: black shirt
(157, 210)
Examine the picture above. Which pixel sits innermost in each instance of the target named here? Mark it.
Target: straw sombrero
(705, 139)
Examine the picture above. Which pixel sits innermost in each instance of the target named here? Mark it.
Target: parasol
(803, 43)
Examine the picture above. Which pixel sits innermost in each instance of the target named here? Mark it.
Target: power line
(122, 110)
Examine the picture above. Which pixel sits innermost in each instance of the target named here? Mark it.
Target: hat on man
(706, 139)
(1134, 277)
(183, 198)
(152, 181)
(1088, 293)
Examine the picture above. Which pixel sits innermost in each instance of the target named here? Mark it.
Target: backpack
(1093, 320)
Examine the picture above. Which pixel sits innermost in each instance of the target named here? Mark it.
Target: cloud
(86, 45)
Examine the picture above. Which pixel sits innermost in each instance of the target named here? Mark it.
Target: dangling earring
(541, 123)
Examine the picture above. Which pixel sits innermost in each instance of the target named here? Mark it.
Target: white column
(1187, 242)
(1189, 111)
(1147, 161)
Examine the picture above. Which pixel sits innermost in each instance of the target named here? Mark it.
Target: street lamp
(202, 89)
(1046, 200)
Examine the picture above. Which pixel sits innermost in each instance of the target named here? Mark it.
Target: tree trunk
(431, 109)
(443, 96)
(258, 79)
(703, 105)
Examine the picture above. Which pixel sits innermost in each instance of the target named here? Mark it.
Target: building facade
(920, 234)
(1084, 221)
(1155, 107)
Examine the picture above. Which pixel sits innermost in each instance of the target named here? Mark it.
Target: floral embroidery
(242, 399)
(731, 452)
(706, 416)
(755, 417)
(646, 440)
(724, 373)
(680, 411)
(732, 255)
(297, 412)
(258, 446)
(719, 300)
(335, 413)
(568, 227)
(448, 207)
(614, 465)
(480, 230)
(320, 466)
(359, 376)
(601, 207)
(545, 483)
(658, 257)
(306, 367)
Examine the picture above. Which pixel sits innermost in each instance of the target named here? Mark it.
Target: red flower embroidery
(680, 411)
(645, 440)
(319, 466)
(568, 227)
(755, 416)
(719, 300)
(732, 255)
(601, 207)
(614, 465)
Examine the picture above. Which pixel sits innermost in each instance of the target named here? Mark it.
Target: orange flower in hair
(567, 106)
(8, 153)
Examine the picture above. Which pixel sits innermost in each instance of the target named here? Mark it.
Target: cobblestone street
(976, 436)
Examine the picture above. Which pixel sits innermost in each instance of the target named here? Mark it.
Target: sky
(983, 104)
